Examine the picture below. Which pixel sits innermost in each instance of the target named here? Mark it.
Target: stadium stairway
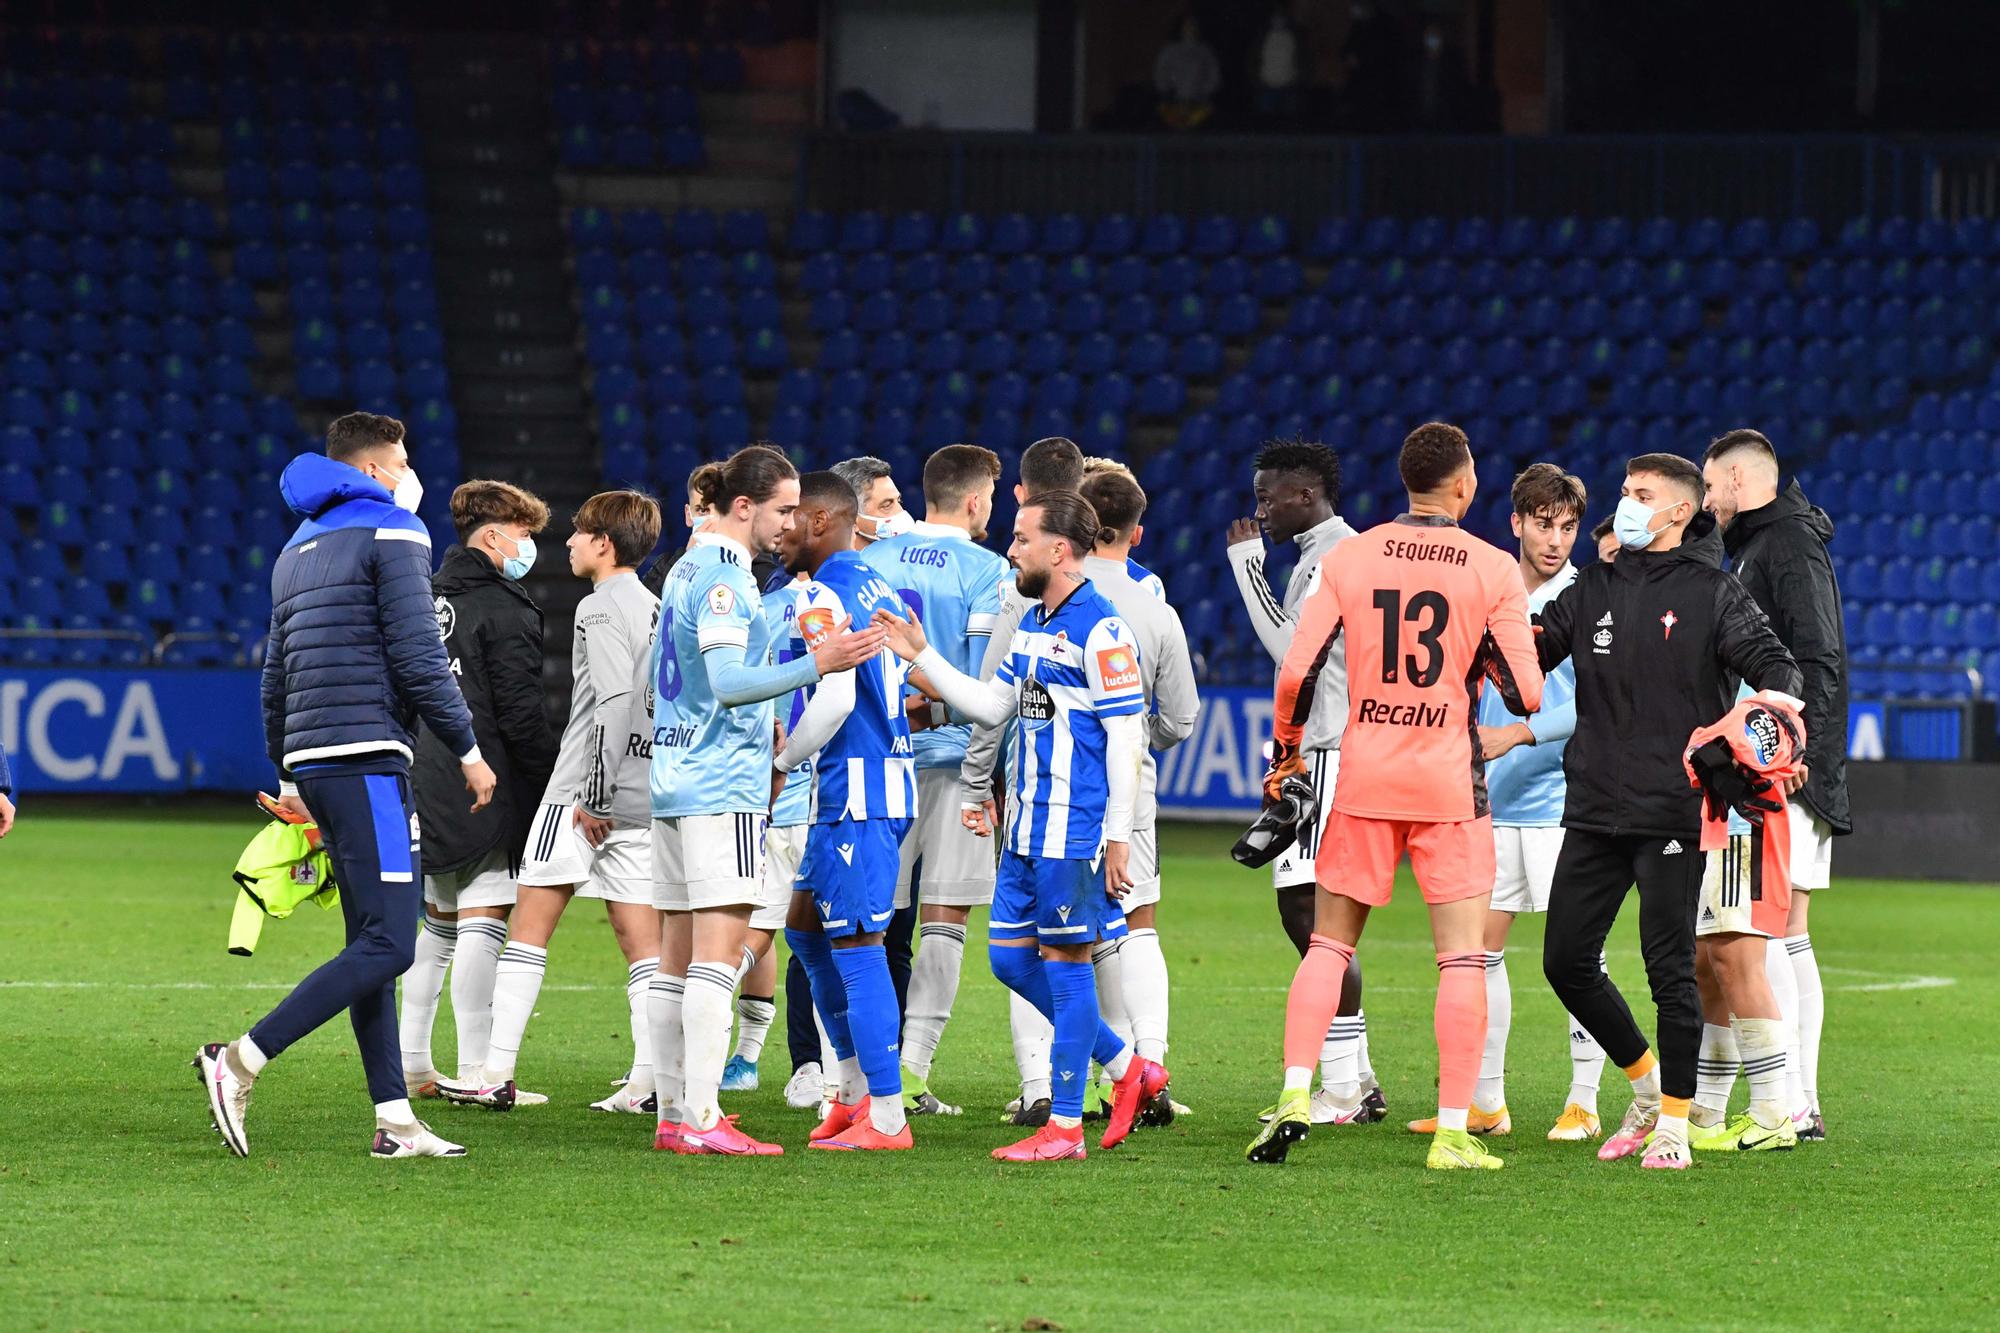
(504, 292)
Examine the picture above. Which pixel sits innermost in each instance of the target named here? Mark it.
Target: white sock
(665, 1000)
(517, 981)
(1812, 1011)
(1761, 1044)
(1145, 983)
(1671, 1128)
(705, 1040)
(1297, 1078)
(1453, 1117)
(853, 1083)
(250, 1056)
(1033, 1036)
(1491, 1094)
(422, 987)
(933, 990)
(886, 1115)
(638, 983)
(1715, 1072)
(1785, 989)
(480, 939)
(1362, 1066)
(396, 1114)
(1646, 1087)
(1110, 968)
(753, 1025)
(1340, 1060)
(1586, 1065)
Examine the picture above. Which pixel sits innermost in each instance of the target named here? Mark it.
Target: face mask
(895, 525)
(1632, 523)
(408, 492)
(516, 566)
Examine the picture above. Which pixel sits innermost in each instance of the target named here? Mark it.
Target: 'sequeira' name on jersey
(674, 737)
(1445, 551)
(1400, 715)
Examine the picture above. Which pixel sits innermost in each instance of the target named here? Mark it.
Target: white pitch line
(210, 985)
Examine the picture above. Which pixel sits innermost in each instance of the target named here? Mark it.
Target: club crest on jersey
(447, 617)
(815, 625)
(1668, 621)
(1059, 648)
(416, 830)
(721, 601)
(1602, 639)
(1119, 667)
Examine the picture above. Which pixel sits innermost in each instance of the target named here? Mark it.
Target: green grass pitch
(119, 1207)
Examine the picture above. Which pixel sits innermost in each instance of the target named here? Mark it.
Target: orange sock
(1314, 996)
(1641, 1067)
(1674, 1106)
(1460, 1022)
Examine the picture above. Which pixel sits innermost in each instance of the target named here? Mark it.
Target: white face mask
(408, 492)
(895, 525)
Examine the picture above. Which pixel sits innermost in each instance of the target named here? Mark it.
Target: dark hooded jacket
(492, 634)
(1659, 640)
(1779, 551)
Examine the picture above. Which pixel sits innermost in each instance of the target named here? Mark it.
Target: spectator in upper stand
(1443, 92)
(1187, 77)
(1277, 71)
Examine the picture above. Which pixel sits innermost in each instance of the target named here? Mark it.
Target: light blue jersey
(953, 584)
(867, 769)
(1073, 669)
(1525, 786)
(709, 759)
(788, 644)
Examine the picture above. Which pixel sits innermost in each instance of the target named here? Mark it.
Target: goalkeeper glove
(1726, 785)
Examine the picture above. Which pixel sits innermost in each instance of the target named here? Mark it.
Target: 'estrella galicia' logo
(1762, 730)
(447, 618)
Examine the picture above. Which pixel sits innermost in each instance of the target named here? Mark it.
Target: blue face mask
(1632, 523)
(516, 566)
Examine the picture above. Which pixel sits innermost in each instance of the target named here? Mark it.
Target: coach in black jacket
(1659, 638)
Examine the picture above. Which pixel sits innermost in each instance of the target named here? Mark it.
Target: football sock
(1454, 1117)
(638, 982)
(422, 987)
(1812, 1012)
(1586, 1061)
(1362, 1065)
(396, 1114)
(1032, 1035)
(1714, 1073)
(1105, 957)
(850, 1081)
(748, 965)
(1340, 1059)
(754, 1014)
(933, 991)
(248, 1057)
(1673, 1122)
(517, 981)
(1144, 978)
(665, 999)
(705, 1040)
(871, 1018)
(480, 940)
(1785, 990)
(1491, 1094)
(1072, 988)
(1314, 996)
(1459, 1021)
(1645, 1075)
(1761, 1043)
(829, 993)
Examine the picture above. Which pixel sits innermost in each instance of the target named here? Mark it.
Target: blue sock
(1073, 986)
(829, 992)
(1021, 971)
(871, 1016)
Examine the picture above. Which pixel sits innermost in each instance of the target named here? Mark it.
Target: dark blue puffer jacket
(355, 656)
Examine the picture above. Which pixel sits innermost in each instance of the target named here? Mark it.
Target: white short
(621, 871)
(1294, 865)
(1525, 861)
(708, 861)
(488, 884)
(958, 863)
(1812, 849)
(1732, 901)
(1144, 867)
(784, 848)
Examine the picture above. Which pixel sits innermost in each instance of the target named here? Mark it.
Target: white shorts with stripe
(958, 864)
(1143, 864)
(620, 871)
(784, 848)
(1525, 865)
(1294, 865)
(1812, 849)
(708, 861)
(487, 884)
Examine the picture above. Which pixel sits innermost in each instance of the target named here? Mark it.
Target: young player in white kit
(591, 837)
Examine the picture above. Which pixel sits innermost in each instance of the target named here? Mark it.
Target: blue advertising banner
(133, 731)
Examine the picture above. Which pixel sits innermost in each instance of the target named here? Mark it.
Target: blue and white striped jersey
(788, 644)
(1072, 670)
(709, 759)
(867, 769)
(953, 584)
(1145, 578)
